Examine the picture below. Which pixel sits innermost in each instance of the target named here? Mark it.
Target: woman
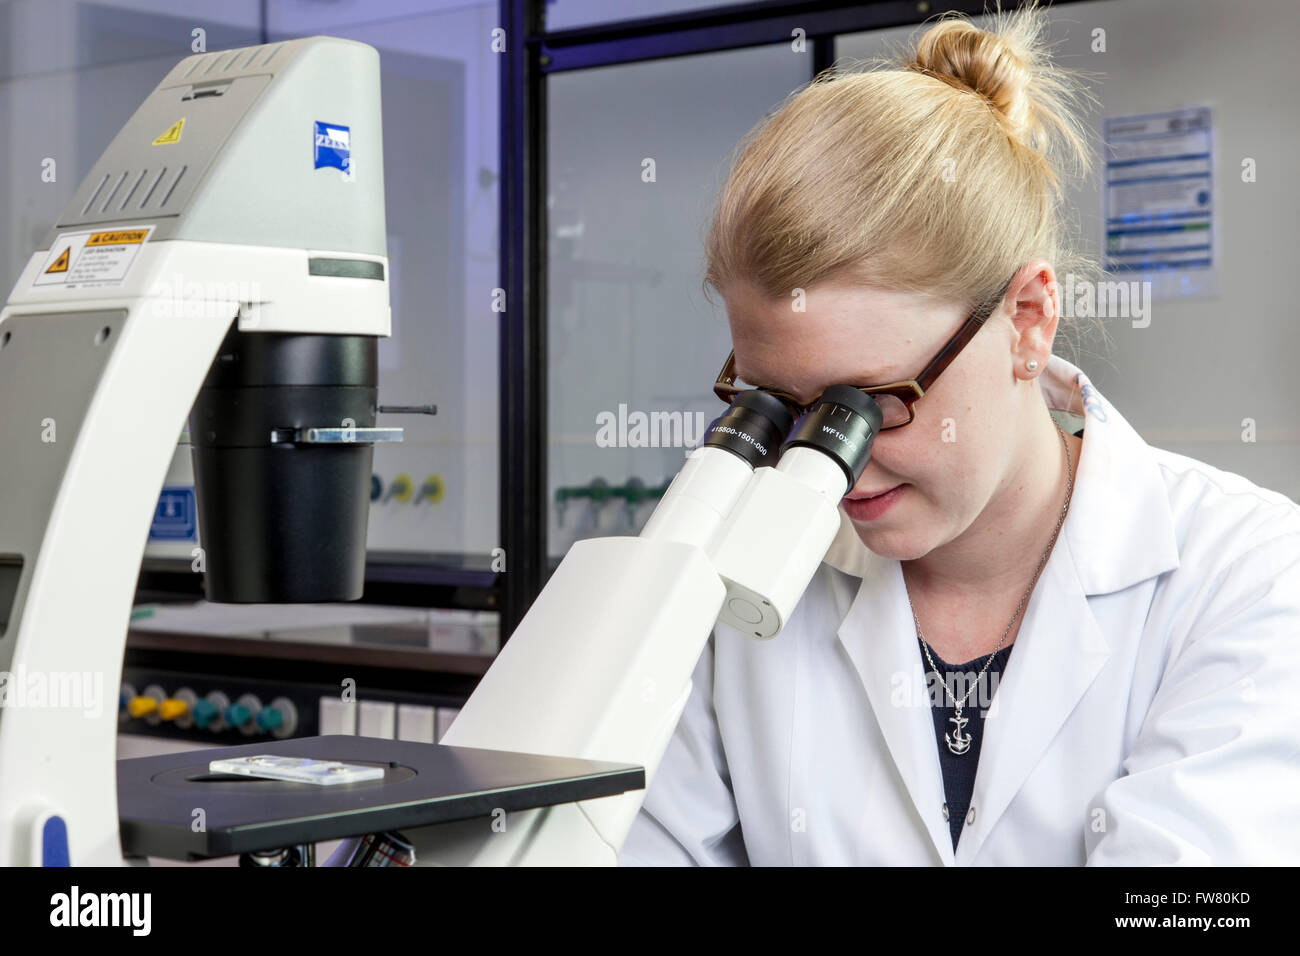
(1028, 644)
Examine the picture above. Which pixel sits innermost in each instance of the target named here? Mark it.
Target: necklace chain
(1069, 491)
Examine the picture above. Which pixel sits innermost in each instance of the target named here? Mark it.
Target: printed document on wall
(1158, 201)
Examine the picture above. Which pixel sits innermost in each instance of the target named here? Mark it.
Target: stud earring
(1032, 364)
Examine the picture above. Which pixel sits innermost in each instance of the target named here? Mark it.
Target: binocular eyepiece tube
(764, 511)
(842, 426)
(754, 482)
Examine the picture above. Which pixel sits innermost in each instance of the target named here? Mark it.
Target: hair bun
(997, 66)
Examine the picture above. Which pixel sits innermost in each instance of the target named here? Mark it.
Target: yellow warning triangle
(61, 263)
(173, 134)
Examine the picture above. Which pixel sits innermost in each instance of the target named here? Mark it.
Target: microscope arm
(115, 376)
(599, 668)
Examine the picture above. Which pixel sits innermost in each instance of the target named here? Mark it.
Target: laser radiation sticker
(60, 264)
(333, 145)
(91, 260)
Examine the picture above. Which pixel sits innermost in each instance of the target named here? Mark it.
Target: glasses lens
(892, 410)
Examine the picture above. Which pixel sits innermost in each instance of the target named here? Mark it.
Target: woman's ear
(1034, 300)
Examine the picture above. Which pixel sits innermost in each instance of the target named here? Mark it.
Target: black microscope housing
(282, 519)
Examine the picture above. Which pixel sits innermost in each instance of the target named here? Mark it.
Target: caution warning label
(91, 260)
(172, 134)
(121, 237)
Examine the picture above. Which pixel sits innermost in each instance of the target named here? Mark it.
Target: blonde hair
(941, 174)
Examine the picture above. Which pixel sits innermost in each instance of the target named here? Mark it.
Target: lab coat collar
(1119, 531)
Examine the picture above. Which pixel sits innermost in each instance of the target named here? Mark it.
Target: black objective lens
(752, 428)
(282, 522)
(843, 424)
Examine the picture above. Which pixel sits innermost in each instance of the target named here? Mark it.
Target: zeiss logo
(333, 146)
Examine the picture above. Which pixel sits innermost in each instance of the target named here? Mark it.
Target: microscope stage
(160, 798)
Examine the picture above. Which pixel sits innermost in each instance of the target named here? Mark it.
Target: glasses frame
(908, 391)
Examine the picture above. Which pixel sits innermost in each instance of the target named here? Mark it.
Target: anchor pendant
(958, 742)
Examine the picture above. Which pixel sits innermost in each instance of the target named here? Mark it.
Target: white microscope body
(168, 243)
(103, 355)
(600, 667)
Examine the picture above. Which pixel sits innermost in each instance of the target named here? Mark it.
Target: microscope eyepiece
(843, 424)
(752, 428)
(856, 400)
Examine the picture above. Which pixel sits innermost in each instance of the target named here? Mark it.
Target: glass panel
(562, 14)
(438, 498)
(71, 74)
(637, 155)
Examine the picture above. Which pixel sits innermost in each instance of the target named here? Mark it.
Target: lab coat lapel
(879, 637)
(1119, 531)
(1057, 655)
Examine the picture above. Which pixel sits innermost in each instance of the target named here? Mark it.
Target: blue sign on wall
(174, 519)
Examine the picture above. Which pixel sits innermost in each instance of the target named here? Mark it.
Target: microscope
(226, 258)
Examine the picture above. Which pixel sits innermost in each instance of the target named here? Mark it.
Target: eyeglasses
(895, 399)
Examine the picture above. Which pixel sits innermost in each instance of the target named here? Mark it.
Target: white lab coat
(1149, 712)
